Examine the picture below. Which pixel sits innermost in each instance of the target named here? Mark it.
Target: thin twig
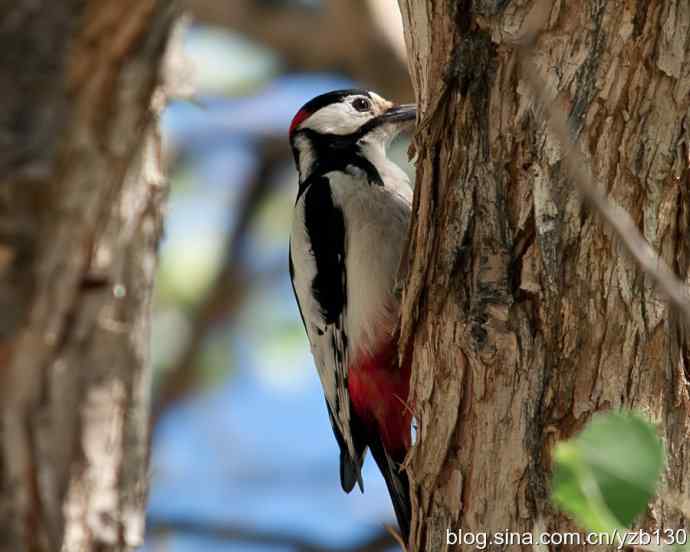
(616, 217)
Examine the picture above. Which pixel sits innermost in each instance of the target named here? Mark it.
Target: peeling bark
(81, 194)
(523, 315)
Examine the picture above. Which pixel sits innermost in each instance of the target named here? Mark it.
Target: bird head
(332, 128)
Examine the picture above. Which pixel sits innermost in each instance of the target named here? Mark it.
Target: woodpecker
(349, 228)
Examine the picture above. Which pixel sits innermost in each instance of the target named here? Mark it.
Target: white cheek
(337, 119)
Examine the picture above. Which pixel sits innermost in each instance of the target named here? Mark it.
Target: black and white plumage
(349, 228)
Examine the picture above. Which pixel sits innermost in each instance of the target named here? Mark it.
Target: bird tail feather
(398, 485)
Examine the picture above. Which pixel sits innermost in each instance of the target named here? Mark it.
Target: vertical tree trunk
(522, 313)
(80, 218)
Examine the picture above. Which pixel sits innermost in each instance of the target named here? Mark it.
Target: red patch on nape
(302, 114)
(378, 391)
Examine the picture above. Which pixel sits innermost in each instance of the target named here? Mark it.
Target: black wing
(319, 281)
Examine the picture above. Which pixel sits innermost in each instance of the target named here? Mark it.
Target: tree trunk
(80, 218)
(522, 313)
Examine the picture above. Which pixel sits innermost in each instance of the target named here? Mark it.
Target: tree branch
(338, 36)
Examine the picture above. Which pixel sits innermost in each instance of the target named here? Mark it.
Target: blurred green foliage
(605, 477)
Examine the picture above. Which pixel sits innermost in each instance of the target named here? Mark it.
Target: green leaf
(605, 477)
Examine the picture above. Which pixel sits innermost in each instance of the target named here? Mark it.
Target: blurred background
(243, 456)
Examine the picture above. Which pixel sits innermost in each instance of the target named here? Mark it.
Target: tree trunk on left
(80, 218)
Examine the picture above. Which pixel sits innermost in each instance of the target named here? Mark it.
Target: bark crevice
(534, 317)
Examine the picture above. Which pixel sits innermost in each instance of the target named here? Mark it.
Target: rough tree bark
(80, 217)
(522, 313)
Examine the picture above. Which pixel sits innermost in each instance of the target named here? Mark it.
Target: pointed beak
(390, 123)
(400, 114)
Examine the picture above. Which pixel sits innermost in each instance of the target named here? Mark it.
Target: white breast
(376, 220)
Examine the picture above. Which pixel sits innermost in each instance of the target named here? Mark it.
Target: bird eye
(361, 104)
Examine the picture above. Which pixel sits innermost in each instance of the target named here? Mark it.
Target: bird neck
(316, 154)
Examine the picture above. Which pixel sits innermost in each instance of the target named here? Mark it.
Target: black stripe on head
(326, 230)
(332, 152)
(313, 105)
